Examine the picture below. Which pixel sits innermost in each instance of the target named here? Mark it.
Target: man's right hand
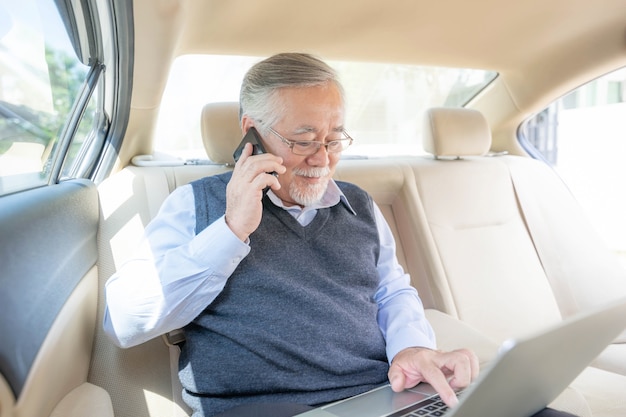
(244, 191)
(445, 371)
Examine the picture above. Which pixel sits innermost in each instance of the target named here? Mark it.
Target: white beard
(307, 195)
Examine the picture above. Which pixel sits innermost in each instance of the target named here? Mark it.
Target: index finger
(242, 153)
(437, 379)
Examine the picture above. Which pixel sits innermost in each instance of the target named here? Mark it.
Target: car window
(583, 136)
(41, 79)
(385, 102)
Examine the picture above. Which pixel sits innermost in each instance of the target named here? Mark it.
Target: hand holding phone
(254, 138)
(244, 208)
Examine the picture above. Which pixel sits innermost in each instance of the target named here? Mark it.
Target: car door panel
(48, 262)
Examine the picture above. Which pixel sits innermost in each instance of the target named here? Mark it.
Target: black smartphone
(251, 137)
(254, 138)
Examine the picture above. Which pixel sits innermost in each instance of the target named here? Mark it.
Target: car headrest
(455, 132)
(221, 132)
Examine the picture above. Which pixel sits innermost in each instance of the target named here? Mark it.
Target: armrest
(453, 334)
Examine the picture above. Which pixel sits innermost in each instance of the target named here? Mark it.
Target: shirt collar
(331, 197)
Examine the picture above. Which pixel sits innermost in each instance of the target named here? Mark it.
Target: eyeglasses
(310, 147)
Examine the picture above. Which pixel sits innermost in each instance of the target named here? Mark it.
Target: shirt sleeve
(401, 314)
(174, 274)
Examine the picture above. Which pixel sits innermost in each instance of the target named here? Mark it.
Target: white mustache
(312, 172)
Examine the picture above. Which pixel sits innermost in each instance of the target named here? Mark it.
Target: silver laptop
(524, 378)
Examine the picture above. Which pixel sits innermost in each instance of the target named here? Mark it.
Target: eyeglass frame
(318, 145)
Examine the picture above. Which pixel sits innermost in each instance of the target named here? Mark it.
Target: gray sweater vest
(296, 321)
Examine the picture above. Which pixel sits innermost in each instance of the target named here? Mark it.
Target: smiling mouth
(313, 175)
(312, 180)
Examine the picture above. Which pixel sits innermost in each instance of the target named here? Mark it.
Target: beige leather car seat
(507, 225)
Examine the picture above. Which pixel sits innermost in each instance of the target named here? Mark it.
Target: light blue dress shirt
(175, 274)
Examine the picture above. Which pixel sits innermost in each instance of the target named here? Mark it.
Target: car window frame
(102, 43)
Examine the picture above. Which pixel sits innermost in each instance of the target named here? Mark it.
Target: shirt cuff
(407, 337)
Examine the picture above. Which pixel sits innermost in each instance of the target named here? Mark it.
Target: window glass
(385, 102)
(583, 136)
(89, 136)
(40, 78)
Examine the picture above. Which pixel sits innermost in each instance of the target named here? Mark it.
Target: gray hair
(258, 98)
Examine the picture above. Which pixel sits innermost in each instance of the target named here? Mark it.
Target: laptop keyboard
(435, 408)
(432, 407)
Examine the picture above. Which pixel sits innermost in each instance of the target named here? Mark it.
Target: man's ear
(246, 124)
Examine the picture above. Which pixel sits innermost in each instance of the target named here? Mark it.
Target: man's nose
(319, 158)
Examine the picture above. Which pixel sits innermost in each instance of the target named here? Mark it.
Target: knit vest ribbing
(296, 321)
